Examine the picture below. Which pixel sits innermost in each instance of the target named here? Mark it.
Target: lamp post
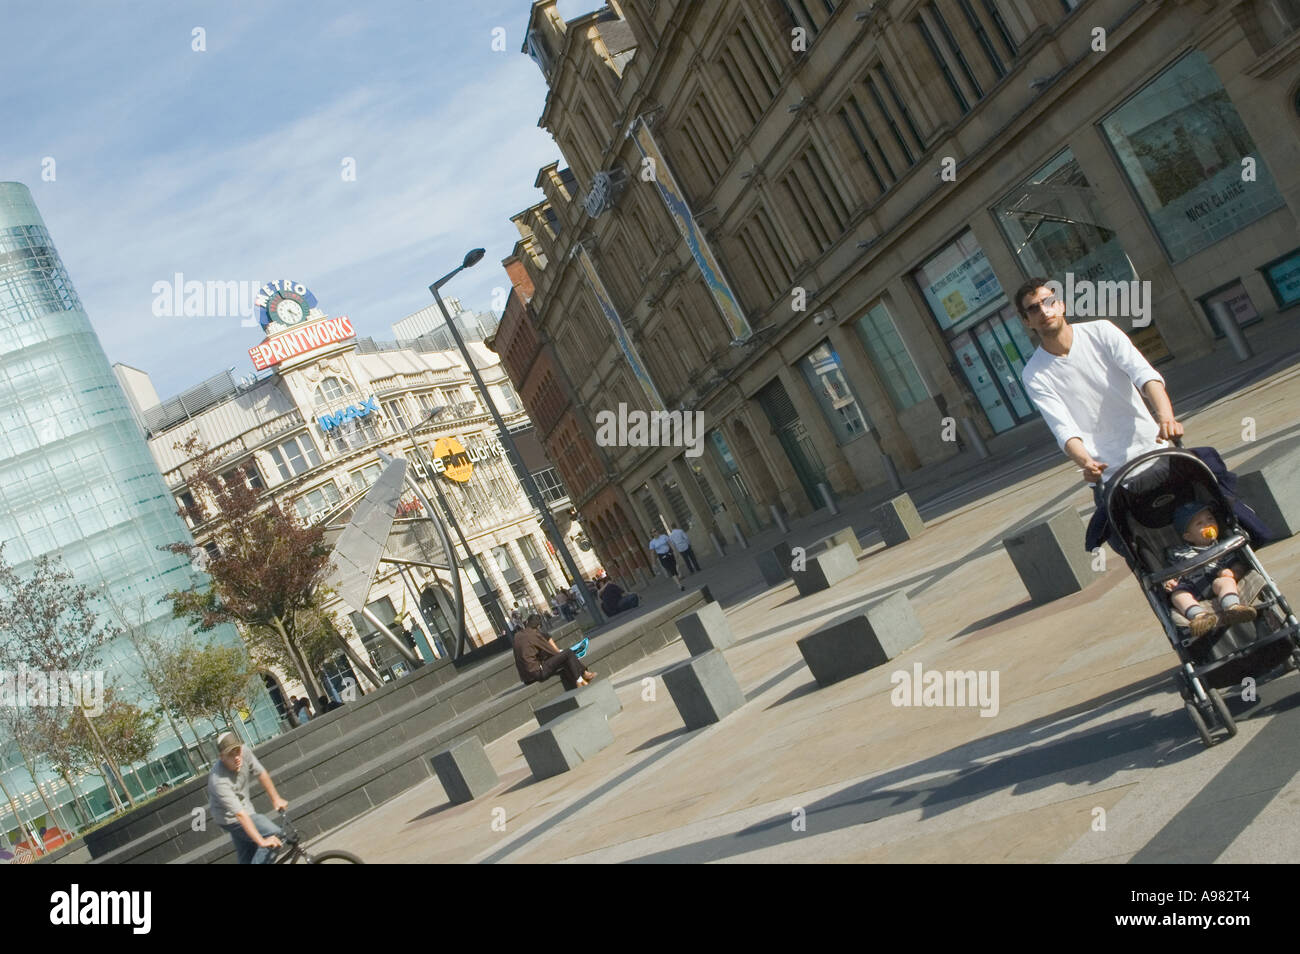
(473, 257)
(489, 593)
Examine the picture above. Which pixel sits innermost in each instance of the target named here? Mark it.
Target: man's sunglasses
(1037, 307)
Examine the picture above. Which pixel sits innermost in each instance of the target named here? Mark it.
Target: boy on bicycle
(255, 836)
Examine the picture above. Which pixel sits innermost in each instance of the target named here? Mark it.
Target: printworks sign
(290, 344)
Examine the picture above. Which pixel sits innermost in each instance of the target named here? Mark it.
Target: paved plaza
(1089, 757)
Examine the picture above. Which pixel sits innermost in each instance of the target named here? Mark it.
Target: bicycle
(292, 852)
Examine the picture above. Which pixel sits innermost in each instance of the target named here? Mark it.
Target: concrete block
(464, 770)
(898, 520)
(847, 535)
(566, 742)
(600, 694)
(1273, 491)
(705, 629)
(824, 570)
(1050, 557)
(704, 689)
(774, 563)
(861, 640)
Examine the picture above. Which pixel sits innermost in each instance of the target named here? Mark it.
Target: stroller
(1140, 501)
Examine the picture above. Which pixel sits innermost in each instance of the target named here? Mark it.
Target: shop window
(881, 340)
(1187, 154)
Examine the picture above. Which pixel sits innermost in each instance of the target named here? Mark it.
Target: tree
(52, 626)
(215, 682)
(266, 571)
(122, 729)
(155, 652)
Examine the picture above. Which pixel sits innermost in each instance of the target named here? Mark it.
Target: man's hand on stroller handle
(1092, 469)
(1170, 429)
(1171, 585)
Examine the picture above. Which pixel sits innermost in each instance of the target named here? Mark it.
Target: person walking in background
(663, 549)
(682, 543)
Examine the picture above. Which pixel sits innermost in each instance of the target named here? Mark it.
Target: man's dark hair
(533, 621)
(1028, 288)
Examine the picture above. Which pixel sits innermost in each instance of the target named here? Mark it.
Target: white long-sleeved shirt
(1093, 393)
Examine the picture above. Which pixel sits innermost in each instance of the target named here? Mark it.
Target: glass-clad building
(77, 481)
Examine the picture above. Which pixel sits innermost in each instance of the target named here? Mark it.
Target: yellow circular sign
(456, 463)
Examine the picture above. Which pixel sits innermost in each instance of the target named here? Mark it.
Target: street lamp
(473, 257)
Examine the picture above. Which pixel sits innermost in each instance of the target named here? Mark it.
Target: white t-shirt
(660, 545)
(1092, 394)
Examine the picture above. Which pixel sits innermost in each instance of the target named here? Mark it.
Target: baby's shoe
(1241, 613)
(1202, 624)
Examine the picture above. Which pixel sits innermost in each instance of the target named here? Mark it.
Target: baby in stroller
(1195, 523)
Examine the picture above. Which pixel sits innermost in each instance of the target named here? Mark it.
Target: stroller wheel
(1221, 710)
(1198, 720)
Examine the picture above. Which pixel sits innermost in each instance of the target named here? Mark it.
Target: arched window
(333, 389)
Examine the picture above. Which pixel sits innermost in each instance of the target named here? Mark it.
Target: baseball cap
(228, 742)
(1185, 512)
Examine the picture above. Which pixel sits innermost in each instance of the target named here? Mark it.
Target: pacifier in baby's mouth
(1210, 533)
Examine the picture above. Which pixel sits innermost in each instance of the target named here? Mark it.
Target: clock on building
(284, 303)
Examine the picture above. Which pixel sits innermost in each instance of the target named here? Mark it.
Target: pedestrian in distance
(682, 544)
(662, 547)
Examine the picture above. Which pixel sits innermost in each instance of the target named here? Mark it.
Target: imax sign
(328, 422)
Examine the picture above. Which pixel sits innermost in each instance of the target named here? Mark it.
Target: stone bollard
(566, 741)
(1273, 491)
(898, 520)
(824, 570)
(774, 564)
(704, 689)
(464, 770)
(1050, 557)
(846, 535)
(705, 629)
(861, 640)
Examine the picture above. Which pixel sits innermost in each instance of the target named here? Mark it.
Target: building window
(295, 456)
(501, 557)
(958, 283)
(951, 80)
(1182, 146)
(549, 485)
(246, 472)
(1053, 221)
(316, 502)
(363, 479)
(193, 515)
(393, 409)
(895, 366)
(821, 367)
(982, 35)
(333, 389)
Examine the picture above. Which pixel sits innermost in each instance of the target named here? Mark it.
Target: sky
(230, 163)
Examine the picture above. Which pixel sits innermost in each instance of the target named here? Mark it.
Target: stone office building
(310, 428)
(804, 218)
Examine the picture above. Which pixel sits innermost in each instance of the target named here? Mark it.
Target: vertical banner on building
(620, 332)
(723, 296)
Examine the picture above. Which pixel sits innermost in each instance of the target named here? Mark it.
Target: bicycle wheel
(336, 857)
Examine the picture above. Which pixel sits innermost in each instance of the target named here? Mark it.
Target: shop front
(981, 327)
